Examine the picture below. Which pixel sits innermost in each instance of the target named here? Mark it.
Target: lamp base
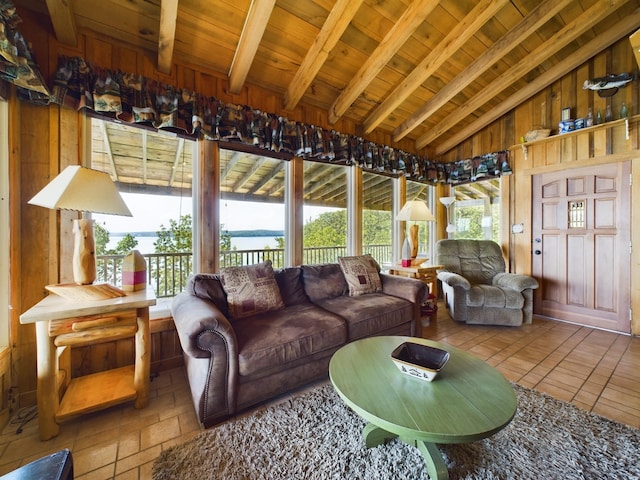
(84, 255)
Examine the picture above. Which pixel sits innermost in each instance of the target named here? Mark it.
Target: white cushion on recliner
(490, 296)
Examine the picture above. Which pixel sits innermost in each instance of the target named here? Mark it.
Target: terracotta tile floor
(593, 369)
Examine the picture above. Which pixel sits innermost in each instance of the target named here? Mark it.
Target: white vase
(406, 249)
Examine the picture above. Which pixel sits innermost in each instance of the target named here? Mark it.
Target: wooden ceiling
(431, 71)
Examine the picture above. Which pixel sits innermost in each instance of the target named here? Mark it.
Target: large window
(325, 212)
(377, 196)
(476, 211)
(426, 229)
(252, 213)
(153, 172)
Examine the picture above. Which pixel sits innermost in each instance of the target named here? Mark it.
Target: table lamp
(414, 210)
(83, 190)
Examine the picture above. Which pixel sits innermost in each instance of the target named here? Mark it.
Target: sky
(150, 212)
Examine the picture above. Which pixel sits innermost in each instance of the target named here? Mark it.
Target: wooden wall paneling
(126, 59)
(125, 352)
(520, 248)
(635, 251)
(600, 137)
(99, 52)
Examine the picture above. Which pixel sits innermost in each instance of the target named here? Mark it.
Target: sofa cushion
(370, 314)
(290, 283)
(490, 296)
(251, 289)
(362, 274)
(323, 281)
(209, 287)
(280, 338)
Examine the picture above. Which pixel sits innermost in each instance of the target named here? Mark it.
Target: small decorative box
(419, 361)
(134, 272)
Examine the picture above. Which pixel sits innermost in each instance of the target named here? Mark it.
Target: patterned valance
(17, 65)
(138, 100)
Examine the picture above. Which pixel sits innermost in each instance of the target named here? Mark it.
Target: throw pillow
(362, 273)
(251, 289)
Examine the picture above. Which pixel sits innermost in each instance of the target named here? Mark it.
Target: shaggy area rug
(315, 436)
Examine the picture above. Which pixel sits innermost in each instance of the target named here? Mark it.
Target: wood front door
(581, 245)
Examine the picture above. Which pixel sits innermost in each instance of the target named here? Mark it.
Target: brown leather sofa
(236, 364)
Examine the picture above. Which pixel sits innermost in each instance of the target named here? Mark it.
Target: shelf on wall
(580, 131)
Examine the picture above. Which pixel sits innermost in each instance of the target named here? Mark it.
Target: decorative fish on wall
(608, 85)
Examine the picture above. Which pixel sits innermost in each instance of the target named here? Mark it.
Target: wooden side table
(62, 324)
(428, 275)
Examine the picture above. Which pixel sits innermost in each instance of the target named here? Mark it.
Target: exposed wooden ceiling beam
(462, 32)
(167, 34)
(538, 17)
(245, 178)
(145, 155)
(570, 32)
(408, 23)
(107, 148)
(338, 20)
(177, 161)
(254, 27)
(577, 58)
(63, 20)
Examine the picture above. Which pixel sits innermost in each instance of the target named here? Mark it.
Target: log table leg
(48, 396)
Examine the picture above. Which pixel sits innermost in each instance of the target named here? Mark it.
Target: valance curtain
(138, 100)
(17, 64)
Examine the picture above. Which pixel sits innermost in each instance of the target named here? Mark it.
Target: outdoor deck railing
(167, 273)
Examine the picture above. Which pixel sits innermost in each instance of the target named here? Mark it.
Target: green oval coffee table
(468, 400)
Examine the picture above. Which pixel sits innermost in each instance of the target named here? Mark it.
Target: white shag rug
(316, 436)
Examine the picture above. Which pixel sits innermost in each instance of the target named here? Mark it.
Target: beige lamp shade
(84, 190)
(414, 210)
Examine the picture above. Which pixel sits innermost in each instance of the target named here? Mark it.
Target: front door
(581, 245)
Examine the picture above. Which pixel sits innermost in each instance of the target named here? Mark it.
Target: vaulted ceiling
(431, 71)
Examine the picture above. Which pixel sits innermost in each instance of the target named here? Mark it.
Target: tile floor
(593, 369)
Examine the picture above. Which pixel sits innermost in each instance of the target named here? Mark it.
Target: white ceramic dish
(419, 361)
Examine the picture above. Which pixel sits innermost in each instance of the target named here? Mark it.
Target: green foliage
(101, 239)
(176, 238)
(328, 230)
(376, 227)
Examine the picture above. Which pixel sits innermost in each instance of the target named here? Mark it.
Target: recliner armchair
(476, 288)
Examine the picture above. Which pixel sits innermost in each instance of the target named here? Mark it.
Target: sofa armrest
(408, 288)
(201, 326)
(514, 281)
(454, 279)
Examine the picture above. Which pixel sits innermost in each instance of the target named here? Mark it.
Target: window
(325, 212)
(153, 171)
(426, 236)
(377, 202)
(476, 211)
(252, 213)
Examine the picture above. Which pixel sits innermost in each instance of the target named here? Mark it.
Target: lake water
(145, 244)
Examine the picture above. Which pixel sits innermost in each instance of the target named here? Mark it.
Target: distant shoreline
(231, 233)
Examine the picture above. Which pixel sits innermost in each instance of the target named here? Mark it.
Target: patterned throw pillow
(251, 289)
(362, 274)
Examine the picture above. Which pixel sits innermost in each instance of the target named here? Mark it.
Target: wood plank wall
(46, 139)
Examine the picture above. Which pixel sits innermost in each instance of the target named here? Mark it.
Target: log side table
(428, 275)
(62, 324)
